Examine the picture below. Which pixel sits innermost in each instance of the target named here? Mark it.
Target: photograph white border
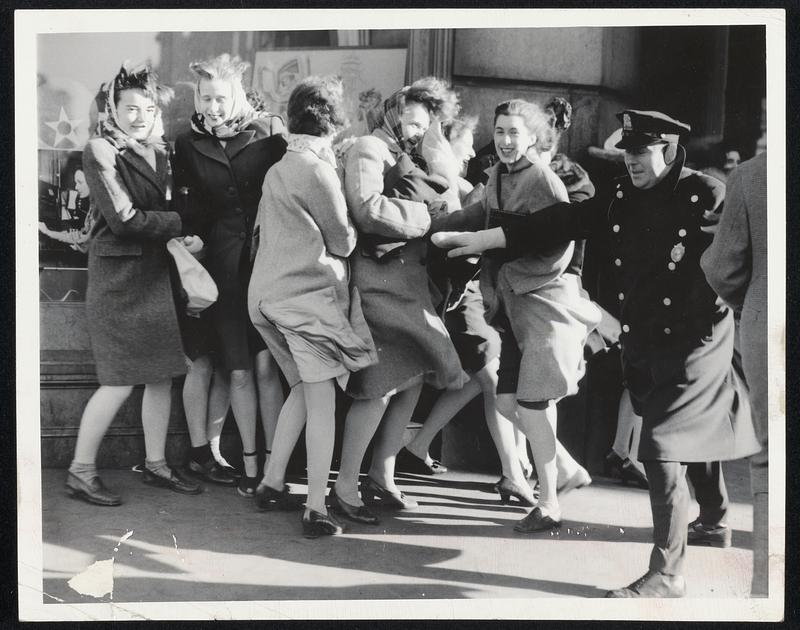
(30, 23)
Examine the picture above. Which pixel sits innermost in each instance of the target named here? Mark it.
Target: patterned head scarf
(392, 111)
(108, 125)
(242, 113)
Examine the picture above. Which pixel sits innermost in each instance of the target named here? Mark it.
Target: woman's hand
(193, 243)
(469, 243)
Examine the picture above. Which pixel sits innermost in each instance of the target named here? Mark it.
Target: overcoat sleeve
(552, 226)
(372, 212)
(727, 263)
(114, 201)
(329, 211)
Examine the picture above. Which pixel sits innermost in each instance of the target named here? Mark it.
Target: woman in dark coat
(219, 168)
(129, 300)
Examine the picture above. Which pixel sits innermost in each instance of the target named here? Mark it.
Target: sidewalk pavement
(458, 544)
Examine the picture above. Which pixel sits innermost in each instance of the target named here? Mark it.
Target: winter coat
(412, 342)
(219, 190)
(299, 298)
(129, 299)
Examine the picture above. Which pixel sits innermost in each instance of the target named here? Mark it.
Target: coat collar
(211, 148)
(140, 164)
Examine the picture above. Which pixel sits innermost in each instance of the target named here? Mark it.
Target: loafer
(580, 479)
(652, 584)
(420, 466)
(374, 493)
(317, 524)
(357, 513)
(91, 491)
(536, 521)
(177, 481)
(718, 535)
(269, 499)
(211, 471)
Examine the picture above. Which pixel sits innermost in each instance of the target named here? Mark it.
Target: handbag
(198, 286)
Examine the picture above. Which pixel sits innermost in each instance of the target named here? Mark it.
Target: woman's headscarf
(391, 126)
(109, 128)
(242, 112)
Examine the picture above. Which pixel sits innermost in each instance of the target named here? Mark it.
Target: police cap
(642, 128)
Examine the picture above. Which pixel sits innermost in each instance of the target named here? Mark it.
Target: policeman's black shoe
(536, 521)
(176, 481)
(211, 471)
(718, 535)
(92, 491)
(632, 475)
(317, 524)
(652, 584)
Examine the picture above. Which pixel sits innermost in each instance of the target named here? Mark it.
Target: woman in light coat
(299, 294)
(389, 270)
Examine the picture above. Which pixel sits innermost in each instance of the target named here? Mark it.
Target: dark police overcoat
(677, 337)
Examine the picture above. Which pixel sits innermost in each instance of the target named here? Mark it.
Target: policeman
(677, 338)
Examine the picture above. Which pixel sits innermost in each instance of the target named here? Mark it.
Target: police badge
(677, 252)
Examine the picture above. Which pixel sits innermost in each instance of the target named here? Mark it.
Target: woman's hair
(560, 112)
(457, 127)
(220, 67)
(436, 96)
(316, 107)
(537, 121)
(141, 78)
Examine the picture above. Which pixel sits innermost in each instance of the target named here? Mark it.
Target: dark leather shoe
(269, 499)
(374, 493)
(653, 584)
(507, 489)
(211, 471)
(317, 524)
(420, 466)
(357, 513)
(718, 535)
(536, 521)
(91, 491)
(177, 481)
(247, 486)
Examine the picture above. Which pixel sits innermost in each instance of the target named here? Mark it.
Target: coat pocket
(116, 248)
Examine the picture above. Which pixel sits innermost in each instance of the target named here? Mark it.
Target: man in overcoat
(736, 267)
(677, 337)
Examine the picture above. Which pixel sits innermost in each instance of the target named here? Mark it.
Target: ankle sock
(83, 471)
(201, 454)
(250, 461)
(158, 467)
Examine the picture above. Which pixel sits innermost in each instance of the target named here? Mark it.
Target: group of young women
(321, 254)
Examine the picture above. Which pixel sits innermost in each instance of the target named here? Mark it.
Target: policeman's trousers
(669, 503)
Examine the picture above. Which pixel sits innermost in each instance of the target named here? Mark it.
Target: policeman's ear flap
(670, 152)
